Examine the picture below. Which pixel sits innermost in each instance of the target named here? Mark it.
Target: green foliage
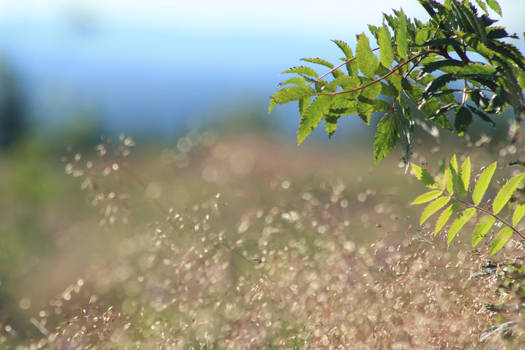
(420, 64)
(453, 185)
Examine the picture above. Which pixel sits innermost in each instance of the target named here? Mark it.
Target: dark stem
(505, 222)
(396, 68)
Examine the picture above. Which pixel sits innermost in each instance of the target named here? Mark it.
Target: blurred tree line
(13, 123)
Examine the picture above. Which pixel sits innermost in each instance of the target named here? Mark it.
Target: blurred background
(165, 66)
(164, 72)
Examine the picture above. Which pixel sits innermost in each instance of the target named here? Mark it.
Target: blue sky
(154, 63)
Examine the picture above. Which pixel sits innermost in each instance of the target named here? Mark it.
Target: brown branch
(503, 221)
(396, 68)
(339, 66)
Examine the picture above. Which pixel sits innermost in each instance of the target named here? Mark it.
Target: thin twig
(396, 68)
(506, 223)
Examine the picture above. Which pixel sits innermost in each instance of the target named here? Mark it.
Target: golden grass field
(245, 242)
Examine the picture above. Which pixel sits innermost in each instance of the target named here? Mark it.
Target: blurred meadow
(147, 200)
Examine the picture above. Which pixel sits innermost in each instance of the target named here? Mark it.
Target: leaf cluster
(452, 191)
(458, 62)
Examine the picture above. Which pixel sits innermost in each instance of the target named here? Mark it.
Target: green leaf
(386, 138)
(302, 70)
(372, 91)
(458, 224)
(304, 103)
(481, 229)
(427, 197)
(318, 60)
(454, 163)
(465, 173)
(499, 241)
(506, 192)
(344, 47)
(482, 5)
(293, 80)
(449, 178)
(521, 79)
(433, 207)
(330, 124)
(422, 175)
(385, 46)
(493, 4)
(271, 106)
(312, 116)
(519, 212)
(483, 183)
(292, 94)
(402, 36)
(368, 63)
(463, 120)
(444, 216)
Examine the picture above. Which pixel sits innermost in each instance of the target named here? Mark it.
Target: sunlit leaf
(500, 240)
(312, 116)
(433, 207)
(292, 93)
(293, 80)
(445, 216)
(506, 192)
(319, 61)
(368, 62)
(465, 173)
(458, 224)
(427, 197)
(344, 47)
(402, 36)
(483, 183)
(302, 70)
(519, 212)
(493, 4)
(482, 228)
(385, 46)
(423, 175)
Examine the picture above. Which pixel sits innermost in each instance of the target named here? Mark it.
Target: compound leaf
(460, 221)
(433, 207)
(481, 229)
(483, 183)
(506, 192)
(501, 238)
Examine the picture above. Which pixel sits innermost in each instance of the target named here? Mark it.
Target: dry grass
(244, 245)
